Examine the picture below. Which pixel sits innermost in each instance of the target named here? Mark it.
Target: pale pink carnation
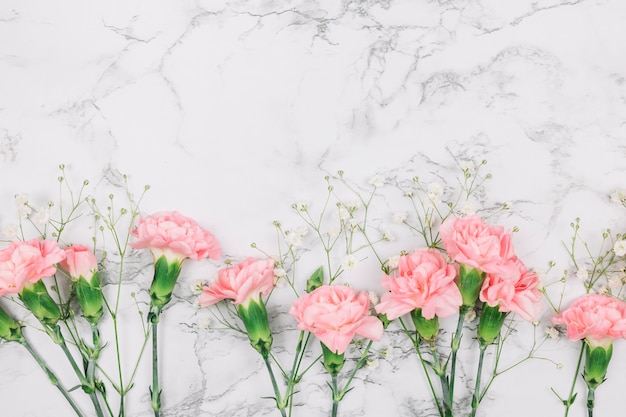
(597, 318)
(240, 283)
(423, 280)
(519, 294)
(29, 261)
(470, 241)
(79, 262)
(335, 314)
(175, 236)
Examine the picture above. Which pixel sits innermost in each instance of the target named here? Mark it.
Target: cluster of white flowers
(350, 262)
(468, 167)
(400, 217)
(377, 181)
(295, 237)
(552, 332)
(619, 197)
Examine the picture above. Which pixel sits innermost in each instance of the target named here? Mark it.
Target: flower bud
(490, 324)
(10, 330)
(36, 298)
(470, 281)
(165, 276)
(89, 295)
(254, 317)
(333, 362)
(427, 328)
(596, 364)
(316, 280)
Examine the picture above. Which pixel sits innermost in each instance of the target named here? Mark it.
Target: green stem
(455, 345)
(569, 401)
(279, 401)
(476, 396)
(445, 386)
(335, 398)
(291, 382)
(51, 376)
(591, 396)
(346, 387)
(155, 391)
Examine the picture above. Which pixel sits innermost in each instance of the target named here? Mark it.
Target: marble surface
(232, 111)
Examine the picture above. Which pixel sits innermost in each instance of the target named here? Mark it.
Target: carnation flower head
(175, 236)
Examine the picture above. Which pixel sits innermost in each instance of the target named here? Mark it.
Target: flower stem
(51, 375)
(476, 397)
(279, 401)
(455, 345)
(335, 398)
(591, 396)
(569, 401)
(155, 391)
(445, 386)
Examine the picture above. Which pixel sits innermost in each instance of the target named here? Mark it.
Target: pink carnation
(241, 282)
(335, 314)
(519, 294)
(28, 261)
(597, 318)
(423, 280)
(175, 236)
(79, 262)
(470, 241)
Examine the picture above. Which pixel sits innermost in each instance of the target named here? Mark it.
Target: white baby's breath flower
(582, 273)
(615, 282)
(280, 273)
(342, 214)
(21, 203)
(435, 190)
(21, 199)
(467, 166)
(387, 235)
(373, 297)
(10, 231)
(559, 366)
(333, 231)
(394, 261)
(470, 315)
(372, 364)
(354, 223)
(350, 262)
(204, 323)
(388, 353)
(353, 206)
(618, 197)
(620, 248)
(377, 181)
(293, 238)
(400, 217)
(552, 332)
(42, 216)
(468, 209)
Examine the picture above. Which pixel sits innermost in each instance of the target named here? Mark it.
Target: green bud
(426, 328)
(10, 330)
(36, 298)
(490, 324)
(596, 364)
(165, 276)
(89, 295)
(254, 317)
(333, 362)
(470, 281)
(316, 280)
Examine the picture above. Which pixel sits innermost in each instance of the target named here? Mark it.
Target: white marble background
(234, 110)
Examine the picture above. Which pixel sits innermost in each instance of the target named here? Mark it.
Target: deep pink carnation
(175, 236)
(28, 261)
(423, 280)
(597, 318)
(470, 241)
(335, 314)
(241, 282)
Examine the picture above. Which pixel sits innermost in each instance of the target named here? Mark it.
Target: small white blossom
(615, 282)
(552, 332)
(350, 262)
(354, 223)
(467, 166)
(377, 181)
(619, 197)
(372, 364)
(204, 323)
(342, 214)
(21, 199)
(333, 231)
(387, 235)
(582, 273)
(21, 203)
(353, 206)
(280, 273)
(435, 191)
(197, 285)
(394, 261)
(620, 248)
(42, 216)
(293, 239)
(559, 366)
(400, 217)
(468, 209)
(388, 353)
(373, 297)
(470, 315)
(10, 231)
